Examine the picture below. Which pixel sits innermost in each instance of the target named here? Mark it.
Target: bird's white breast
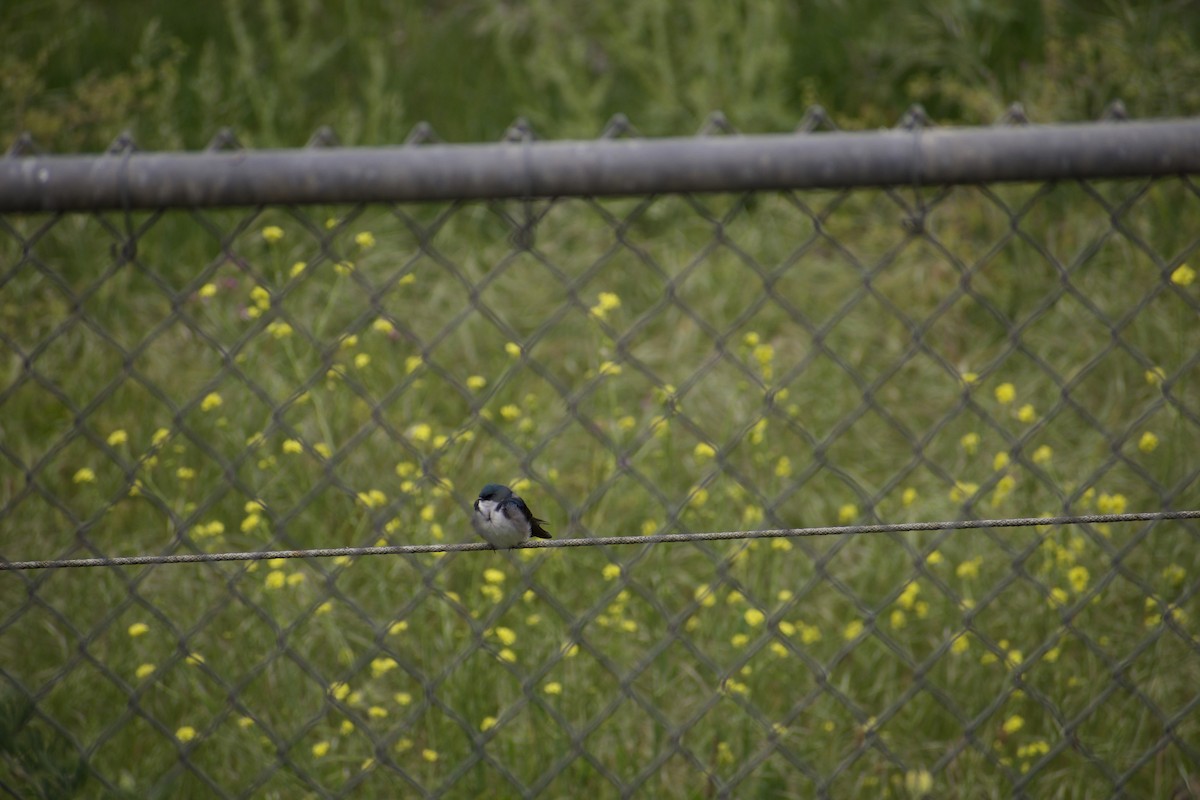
(500, 532)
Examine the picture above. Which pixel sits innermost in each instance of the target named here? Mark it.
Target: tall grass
(680, 363)
(275, 72)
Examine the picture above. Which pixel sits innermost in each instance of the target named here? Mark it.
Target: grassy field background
(352, 375)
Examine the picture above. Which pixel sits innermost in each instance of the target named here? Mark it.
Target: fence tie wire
(604, 541)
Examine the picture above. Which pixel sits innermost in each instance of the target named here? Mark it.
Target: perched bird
(503, 518)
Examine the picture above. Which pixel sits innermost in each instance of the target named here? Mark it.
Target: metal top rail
(917, 157)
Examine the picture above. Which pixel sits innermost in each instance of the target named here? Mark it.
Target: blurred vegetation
(75, 73)
(261, 378)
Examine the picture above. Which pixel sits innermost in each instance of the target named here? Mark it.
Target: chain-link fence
(182, 377)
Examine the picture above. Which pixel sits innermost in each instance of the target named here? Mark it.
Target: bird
(503, 519)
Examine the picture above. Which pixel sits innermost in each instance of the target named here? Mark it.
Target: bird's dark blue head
(495, 492)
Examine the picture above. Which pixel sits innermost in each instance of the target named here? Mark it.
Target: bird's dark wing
(536, 529)
(535, 524)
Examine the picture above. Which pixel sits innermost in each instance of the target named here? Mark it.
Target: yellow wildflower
(705, 596)
(969, 569)
(611, 572)
(969, 443)
(84, 475)
(185, 734)
(918, 782)
(211, 400)
(1174, 574)
(753, 617)
(553, 687)
(1183, 275)
(320, 749)
(261, 297)
(1013, 724)
(487, 723)
(207, 290)
(138, 629)
(783, 467)
(280, 330)
(382, 666)
(476, 382)
(703, 452)
(1042, 454)
(1000, 461)
(1026, 413)
(1111, 503)
(1148, 442)
(272, 233)
(117, 437)
(963, 490)
(847, 513)
(1006, 393)
(1078, 577)
(421, 432)
(1155, 376)
(513, 349)
(853, 629)
(144, 671)
(605, 302)
(365, 240)
(908, 497)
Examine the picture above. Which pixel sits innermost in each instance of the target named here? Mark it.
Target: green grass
(826, 639)
(755, 373)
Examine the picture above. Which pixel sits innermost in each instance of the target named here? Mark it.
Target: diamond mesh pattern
(194, 381)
